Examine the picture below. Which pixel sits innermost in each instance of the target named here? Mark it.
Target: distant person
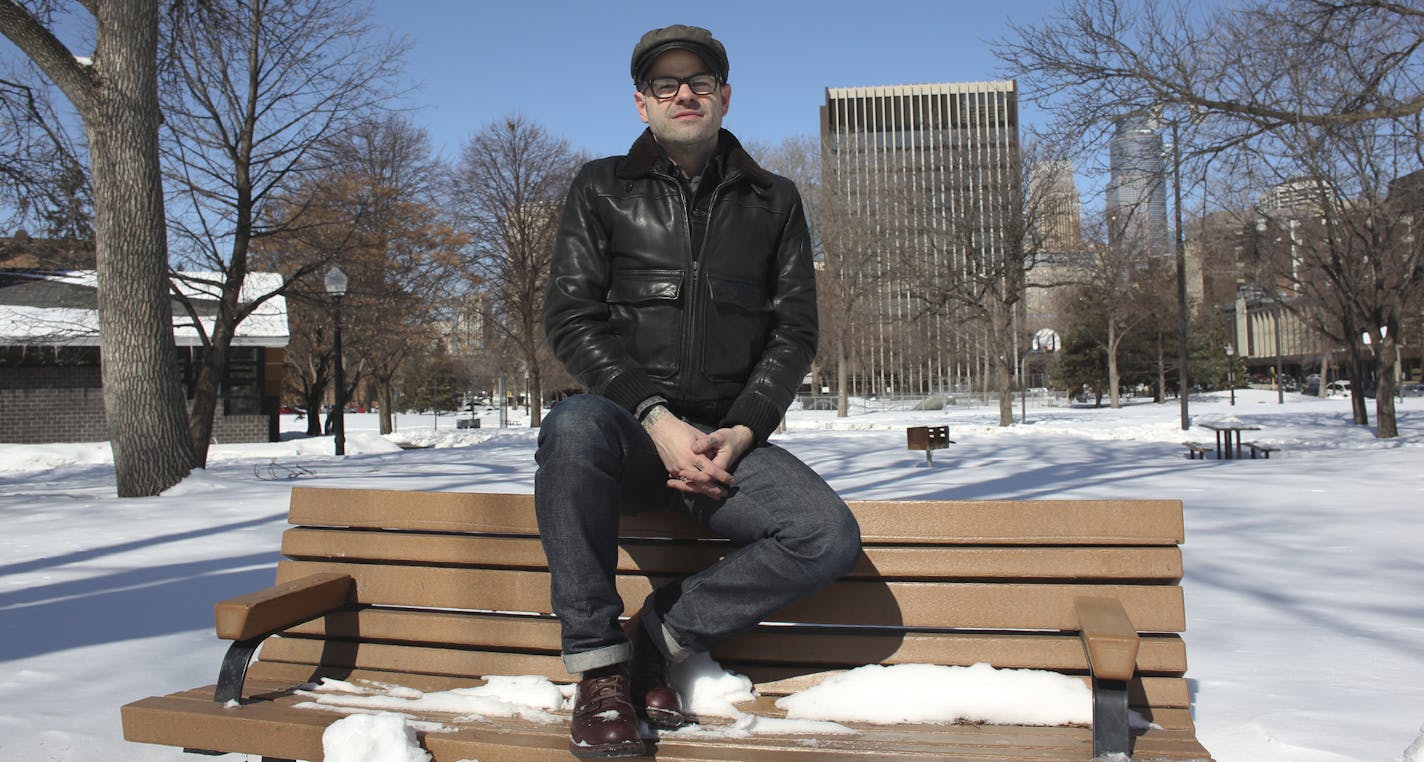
(682, 295)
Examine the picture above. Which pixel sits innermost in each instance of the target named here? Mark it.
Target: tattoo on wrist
(654, 414)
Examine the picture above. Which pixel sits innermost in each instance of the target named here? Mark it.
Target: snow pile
(927, 693)
(371, 738)
(905, 693)
(707, 690)
(1415, 752)
(527, 696)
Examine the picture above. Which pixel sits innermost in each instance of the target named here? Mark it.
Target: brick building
(50, 384)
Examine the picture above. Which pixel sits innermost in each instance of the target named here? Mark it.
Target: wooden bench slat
(1022, 522)
(1154, 608)
(1159, 655)
(1165, 700)
(190, 715)
(413, 659)
(660, 557)
(1054, 522)
(418, 660)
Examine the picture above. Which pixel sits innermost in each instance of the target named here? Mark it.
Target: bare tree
(508, 192)
(375, 211)
(42, 175)
(116, 95)
(253, 88)
(995, 232)
(1349, 261)
(1322, 82)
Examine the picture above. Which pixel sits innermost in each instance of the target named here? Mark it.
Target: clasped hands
(699, 463)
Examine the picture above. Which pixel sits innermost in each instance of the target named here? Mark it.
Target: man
(682, 295)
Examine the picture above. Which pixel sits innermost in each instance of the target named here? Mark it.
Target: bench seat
(1264, 450)
(1197, 450)
(434, 590)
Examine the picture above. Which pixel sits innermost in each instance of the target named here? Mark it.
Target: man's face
(685, 119)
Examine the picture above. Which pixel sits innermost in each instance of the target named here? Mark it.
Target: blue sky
(564, 65)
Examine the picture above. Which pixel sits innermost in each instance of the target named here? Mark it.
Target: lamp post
(1231, 371)
(336, 281)
(1023, 383)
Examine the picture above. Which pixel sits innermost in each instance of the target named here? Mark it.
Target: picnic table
(1225, 431)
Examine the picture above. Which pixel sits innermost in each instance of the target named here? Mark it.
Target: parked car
(1411, 389)
(1337, 389)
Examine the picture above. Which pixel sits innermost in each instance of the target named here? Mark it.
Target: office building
(923, 180)
(1137, 188)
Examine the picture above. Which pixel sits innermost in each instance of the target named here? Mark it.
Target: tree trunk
(1384, 390)
(1004, 361)
(215, 356)
(312, 394)
(536, 396)
(1003, 376)
(1113, 400)
(842, 380)
(1357, 388)
(1324, 373)
(387, 398)
(143, 397)
(1161, 396)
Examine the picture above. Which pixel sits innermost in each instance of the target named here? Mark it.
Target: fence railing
(947, 400)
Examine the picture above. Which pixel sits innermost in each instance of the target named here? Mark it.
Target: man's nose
(684, 92)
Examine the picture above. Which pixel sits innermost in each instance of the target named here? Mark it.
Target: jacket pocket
(739, 317)
(645, 312)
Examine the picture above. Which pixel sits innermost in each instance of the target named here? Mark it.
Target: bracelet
(647, 405)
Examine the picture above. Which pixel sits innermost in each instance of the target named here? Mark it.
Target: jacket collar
(646, 156)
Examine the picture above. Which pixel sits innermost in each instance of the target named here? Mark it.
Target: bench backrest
(455, 584)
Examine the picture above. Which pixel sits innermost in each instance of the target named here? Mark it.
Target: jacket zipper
(694, 300)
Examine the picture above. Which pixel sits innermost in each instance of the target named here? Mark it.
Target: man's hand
(725, 446)
(696, 463)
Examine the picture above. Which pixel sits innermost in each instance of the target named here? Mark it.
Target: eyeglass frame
(716, 80)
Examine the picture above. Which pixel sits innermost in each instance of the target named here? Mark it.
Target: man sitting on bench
(682, 294)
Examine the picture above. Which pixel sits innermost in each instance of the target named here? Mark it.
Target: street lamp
(1045, 340)
(336, 281)
(1231, 371)
(1023, 382)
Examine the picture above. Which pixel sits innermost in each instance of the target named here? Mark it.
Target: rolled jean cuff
(602, 657)
(663, 638)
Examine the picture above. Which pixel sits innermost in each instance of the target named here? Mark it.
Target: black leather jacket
(726, 334)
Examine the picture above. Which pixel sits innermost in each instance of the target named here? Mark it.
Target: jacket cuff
(757, 413)
(629, 388)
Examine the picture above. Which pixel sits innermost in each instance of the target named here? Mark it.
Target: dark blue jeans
(792, 535)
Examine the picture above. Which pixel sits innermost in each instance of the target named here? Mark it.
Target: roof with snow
(61, 307)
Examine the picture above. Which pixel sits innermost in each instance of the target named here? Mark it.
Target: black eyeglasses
(664, 88)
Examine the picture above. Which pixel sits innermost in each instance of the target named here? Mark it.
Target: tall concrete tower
(1137, 189)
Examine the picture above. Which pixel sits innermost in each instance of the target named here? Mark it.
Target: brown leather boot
(604, 724)
(652, 693)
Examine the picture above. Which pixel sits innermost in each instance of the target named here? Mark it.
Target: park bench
(928, 439)
(425, 590)
(1197, 450)
(1264, 450)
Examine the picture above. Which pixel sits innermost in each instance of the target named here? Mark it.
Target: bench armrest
(1111, 643)
(247, 620)
(280, 606)
(1108, 637)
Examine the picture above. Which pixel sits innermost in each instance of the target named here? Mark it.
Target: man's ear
(642, 102)
(726, 97)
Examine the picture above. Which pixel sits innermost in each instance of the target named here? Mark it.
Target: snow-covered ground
(1303, 572)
